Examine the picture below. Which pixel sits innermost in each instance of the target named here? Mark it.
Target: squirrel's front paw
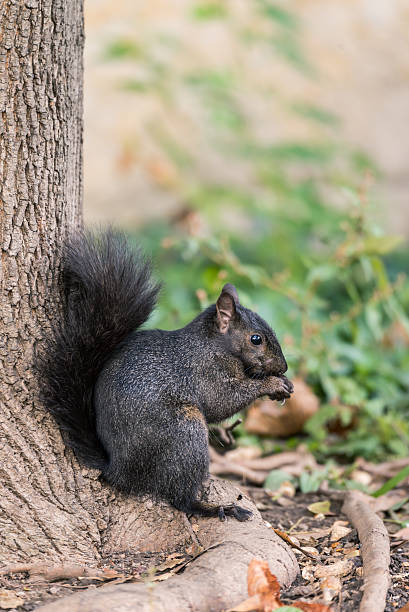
(278, 387)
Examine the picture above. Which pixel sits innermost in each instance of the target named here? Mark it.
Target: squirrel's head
(249, 337)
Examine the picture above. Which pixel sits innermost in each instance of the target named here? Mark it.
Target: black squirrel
(136, 403)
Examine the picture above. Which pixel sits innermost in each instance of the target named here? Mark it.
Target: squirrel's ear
(226, 307)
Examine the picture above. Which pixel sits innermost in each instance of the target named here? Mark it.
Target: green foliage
(298, 236)
(276, 478)
(392, 482)
(209, 10)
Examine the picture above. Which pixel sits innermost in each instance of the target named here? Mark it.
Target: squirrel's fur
(136, 403)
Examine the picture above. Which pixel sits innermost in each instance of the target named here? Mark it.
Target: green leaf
(381, 245)
(122, 48)
(275, 479)
(278, 14)
(309, 483)
(210, 10)
(315, 113)
(392, 482)
(322, 507)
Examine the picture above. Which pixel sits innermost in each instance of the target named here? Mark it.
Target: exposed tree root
(216, 580)
(256, 470)
(49, 573)
(374, 548)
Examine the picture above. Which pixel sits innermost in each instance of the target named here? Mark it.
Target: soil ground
(284, 514)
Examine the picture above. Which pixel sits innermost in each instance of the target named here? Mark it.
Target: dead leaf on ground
(9, 600)
(331, 587)
(264, 591)
(402, 534)
(267, 418)
(339, 568)
(339, 530)
(384, 502)
(313, 534)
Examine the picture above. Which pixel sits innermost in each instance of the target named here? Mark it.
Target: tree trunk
(51, 509)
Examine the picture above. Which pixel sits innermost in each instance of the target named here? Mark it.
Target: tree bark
(51, 509)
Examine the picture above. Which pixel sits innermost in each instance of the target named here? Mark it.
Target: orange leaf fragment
(260, 581)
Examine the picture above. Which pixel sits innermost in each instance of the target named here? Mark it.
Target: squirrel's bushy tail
(108, 293)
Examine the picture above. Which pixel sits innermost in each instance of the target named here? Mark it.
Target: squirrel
(135, 403)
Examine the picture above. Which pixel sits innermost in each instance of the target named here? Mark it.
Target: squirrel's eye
(256, 339)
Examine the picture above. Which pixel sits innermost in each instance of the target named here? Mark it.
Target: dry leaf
(402, 534)
(331, 587)
(286, 488)
(352, 553)
(339, 568)
(9, 600)
(339, 530)
(263, 589)
(267, 418)
(313, 534)
(362, 477)
(264, 592)
(384, 502)
(307, 573)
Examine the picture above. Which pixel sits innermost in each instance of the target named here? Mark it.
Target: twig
(375, 551)
(289, 541)
(386, 469)
(278, 460)
(227, 467)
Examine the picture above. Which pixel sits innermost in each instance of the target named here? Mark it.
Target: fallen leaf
(352, 553)
(9, 600)
(265, 417)
(339, 568)
(261, 580)
(402, 534)
(322, 507)
(384, 502)
(339, 530)
(313, 534)
(331, 587)
(263, 589)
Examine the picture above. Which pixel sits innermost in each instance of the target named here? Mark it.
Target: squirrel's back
(108, 292)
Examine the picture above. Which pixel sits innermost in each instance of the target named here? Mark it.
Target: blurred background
(267, 143)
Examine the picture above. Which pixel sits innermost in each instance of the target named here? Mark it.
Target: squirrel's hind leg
(193, 469)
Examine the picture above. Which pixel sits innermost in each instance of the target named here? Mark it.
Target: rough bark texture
(40, 194)
(215, 581)
(51, 509)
